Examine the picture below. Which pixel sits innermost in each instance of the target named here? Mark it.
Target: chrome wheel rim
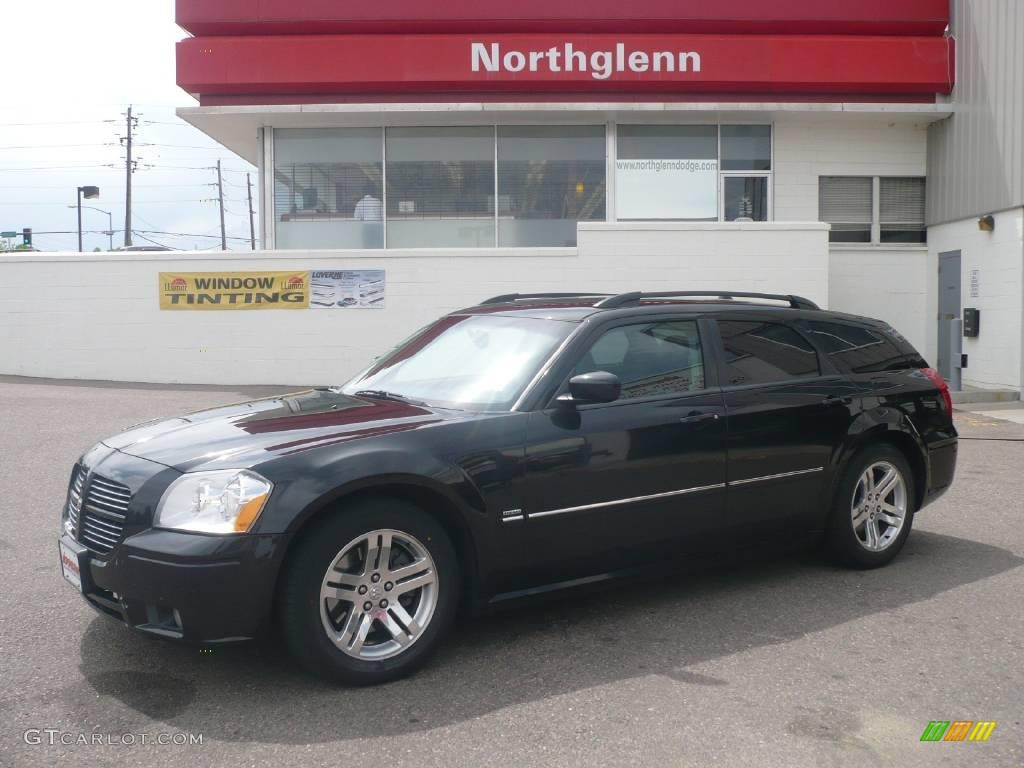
(379, 595)
(879, 507)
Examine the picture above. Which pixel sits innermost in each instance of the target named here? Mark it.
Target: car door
(786, 418)
(610, 485)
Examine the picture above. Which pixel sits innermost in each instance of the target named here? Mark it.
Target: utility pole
(129, 165)
(220, 199)
(252, 213)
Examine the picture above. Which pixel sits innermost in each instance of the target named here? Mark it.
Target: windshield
(475, 362)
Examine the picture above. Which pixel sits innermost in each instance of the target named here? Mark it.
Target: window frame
(769, 203)
(570, 356)
(825, 367)
(826, 358)
(613, 156)
(270, 213)
(876, 212)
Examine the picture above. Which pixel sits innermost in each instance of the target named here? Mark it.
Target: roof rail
(795, 302)
(509, 297)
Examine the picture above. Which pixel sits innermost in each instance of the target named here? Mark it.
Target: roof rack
(509, 297)
(795, 302)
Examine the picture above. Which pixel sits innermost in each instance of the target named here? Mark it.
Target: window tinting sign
(347, 289)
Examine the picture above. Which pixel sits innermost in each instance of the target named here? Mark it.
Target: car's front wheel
(873, 509)
(370, 592)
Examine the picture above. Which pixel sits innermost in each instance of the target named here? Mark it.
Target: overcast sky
(70, 68)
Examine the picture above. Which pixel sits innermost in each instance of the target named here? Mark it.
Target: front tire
(370, 592)
(873, 509)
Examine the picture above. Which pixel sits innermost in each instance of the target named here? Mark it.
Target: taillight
(938, 381)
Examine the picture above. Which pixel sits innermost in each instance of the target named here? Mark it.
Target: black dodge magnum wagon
(529, 443)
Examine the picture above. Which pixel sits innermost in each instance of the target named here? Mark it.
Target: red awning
(518, 66)
(805, 17)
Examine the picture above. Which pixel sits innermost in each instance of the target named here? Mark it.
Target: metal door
(949, 306)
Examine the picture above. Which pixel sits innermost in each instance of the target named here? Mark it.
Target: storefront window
(549, 178)
(745, 198)
(848, 203)
(521, 186)
(746, 147)
(845, 203)
(328, 188)
(667, 172)
(901, 210)
(440, 187)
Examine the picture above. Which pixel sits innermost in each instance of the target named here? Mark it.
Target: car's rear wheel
(370, 592)
(873, 510)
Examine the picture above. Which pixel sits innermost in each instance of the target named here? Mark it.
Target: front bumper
(204, 589)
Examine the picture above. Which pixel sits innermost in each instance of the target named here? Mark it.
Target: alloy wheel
(379, 595)
(879, 507)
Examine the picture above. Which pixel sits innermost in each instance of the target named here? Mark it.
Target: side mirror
(595, 387)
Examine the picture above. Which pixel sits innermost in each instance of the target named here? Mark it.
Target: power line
(60, 168)
(178, 146)
(137, 231)
(56, 146)
(16, 204)
(149, 240)
(58, 122)
(182, 234)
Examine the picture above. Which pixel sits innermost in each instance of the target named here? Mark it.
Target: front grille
(104, 508)
(75, 498)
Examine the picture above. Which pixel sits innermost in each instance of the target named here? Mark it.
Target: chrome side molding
(514, 515)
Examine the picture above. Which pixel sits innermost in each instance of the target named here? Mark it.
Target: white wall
(774, 257)
(996, 357)
(97, 316)
(807, 147)
(890, 284)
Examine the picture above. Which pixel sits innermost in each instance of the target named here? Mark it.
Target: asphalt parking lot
(788, 662)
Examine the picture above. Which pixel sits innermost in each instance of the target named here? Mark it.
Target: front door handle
(697, 418)
(837, 400)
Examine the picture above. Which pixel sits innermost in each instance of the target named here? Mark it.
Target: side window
(856, 349)
(650, 358)
(762, 353)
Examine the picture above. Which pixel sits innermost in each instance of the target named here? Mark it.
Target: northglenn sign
(565, 58)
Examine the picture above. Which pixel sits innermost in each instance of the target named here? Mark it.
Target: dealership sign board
(298, 67)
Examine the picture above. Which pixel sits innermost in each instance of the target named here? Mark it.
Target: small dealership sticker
(234, 290)
(958, 730)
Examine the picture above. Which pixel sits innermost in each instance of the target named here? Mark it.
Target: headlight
(228, 501)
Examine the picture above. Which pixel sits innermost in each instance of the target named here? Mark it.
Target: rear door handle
(697, 418)
(837, 400)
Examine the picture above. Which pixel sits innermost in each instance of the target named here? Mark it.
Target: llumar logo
(958, 730)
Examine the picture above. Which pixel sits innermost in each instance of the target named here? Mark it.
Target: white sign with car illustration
(347, 289)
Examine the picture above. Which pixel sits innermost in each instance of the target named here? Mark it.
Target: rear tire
(873, 509)
(370, 592)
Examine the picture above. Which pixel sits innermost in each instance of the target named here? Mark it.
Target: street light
(89, 193)
(110, 223)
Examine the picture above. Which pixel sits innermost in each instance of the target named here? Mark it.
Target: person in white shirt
(369, 208)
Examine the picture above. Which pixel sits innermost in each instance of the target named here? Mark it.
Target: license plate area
(71, 566)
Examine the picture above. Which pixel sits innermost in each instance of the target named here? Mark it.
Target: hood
(250, 433)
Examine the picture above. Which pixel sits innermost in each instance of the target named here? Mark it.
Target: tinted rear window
(860, 349)
(762, 353)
